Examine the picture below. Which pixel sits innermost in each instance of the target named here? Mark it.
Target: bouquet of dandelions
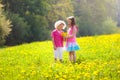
(64, 34)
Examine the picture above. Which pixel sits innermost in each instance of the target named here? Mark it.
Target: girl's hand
(64, 34)
(64, 38)
(68, 36)
(55, 48)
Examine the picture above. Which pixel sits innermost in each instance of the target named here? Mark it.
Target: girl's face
(69, 22)
(60, 27)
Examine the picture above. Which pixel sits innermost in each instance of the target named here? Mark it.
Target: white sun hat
(57, 23)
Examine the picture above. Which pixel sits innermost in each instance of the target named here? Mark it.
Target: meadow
(98, 59)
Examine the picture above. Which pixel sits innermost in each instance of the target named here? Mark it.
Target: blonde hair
(57, 23)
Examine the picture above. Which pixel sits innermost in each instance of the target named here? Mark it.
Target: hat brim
(57, 23)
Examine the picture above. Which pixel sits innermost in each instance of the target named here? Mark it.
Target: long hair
(72, 20)
(73, 23)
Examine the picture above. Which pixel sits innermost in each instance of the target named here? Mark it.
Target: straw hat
(57, 23)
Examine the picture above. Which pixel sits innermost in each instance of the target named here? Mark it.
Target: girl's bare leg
(74, 56)
(70, 56)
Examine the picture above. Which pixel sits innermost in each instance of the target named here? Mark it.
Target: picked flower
(64, 34)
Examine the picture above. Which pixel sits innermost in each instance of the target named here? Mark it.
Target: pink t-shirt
(57, 37)
(70, 32)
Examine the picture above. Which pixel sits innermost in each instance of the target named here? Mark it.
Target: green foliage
(118, 12)
(39, 28)
(31, 16)
(109, 26)
(22, 6)
(37, 17)
(20, 30)
(4, 26)
(59, 9)
(92, 16)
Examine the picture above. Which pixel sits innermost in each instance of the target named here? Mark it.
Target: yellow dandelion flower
(19, 75)
(71, 79)
(22, 71)
(64, 76)
(87, 74)
(61, 79)
(22, 77)
(50, 71)
(66, 71)
(118, 66)
(119, 72)
(78, 76)
(95, 73)
(56, 76)
(60, 73)
(33, 73)
(106, 78)
(1, 69)
(64, 34)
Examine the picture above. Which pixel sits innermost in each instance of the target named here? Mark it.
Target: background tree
(39, 17)
(33, 19)
(4, 26)
(118, 12)
(92, 15)
(31, 15)
(20, 30)
(59, 9)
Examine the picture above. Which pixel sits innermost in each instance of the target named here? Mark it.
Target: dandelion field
(98, 59)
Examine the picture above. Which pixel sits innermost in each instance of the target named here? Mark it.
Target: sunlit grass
(98, 59)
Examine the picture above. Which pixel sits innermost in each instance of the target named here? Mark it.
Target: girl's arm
(73, 34)
(64, 39)
(53, 44)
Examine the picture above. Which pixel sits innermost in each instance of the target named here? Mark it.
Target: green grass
(98, 59)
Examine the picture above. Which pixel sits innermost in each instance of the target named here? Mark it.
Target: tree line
(27, 21)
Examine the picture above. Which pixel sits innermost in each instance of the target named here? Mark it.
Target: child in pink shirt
(71, 43)
(57, 39)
